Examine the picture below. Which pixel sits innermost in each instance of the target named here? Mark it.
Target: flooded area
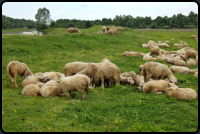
(23, 33)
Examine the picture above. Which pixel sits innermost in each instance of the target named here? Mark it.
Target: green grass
(112, 109)
(15, 30)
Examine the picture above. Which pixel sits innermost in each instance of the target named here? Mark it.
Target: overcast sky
(97, 10)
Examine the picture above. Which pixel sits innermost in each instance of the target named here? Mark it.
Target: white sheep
(15, 68)
(152, 43)
(104, 29)
(191, 62)
(134, 54)
(120, 29)
(148, 57)
(126, 80)
(72, 68)
(32, 89)
(179, 69)
(73, 30)
(154, 50)
(145, 45)
(176, 62)
(193, 37)
(182, 93)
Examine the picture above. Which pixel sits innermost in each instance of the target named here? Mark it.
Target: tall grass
(112, 109)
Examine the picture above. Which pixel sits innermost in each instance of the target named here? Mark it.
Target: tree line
(176, 21)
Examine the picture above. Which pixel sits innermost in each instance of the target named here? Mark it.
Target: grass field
(116, 109)
(16, 30)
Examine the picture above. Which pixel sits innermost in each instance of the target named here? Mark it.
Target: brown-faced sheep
(32, 89)
(126, 80)
(50, 89)
(73, 30)
(134, 54)
(72, 68)
(120, 29)
(110, 73)
(15, 68)
(193, 37)
(157, 86)
(176, 62)
(179, 69)
(182, 93)
(107, 28)
(154, 50)
(158, 71)
(78, 82)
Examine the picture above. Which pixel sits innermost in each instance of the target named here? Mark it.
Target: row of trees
(44, 21)
(9, 23)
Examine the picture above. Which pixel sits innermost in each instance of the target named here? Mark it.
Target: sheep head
(130, 81)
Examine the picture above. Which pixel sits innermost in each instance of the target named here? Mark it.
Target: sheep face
(173, 79)
(130, 81)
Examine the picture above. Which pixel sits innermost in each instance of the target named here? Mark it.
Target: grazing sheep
(161, 57)
(32, 89)
(191, 62)
(72, 68)
(120, 29)
(182, 93)
(176, 62)
(167, 41)
(154, 50)
(179, 69)
(193, 37)
(15, 68)
(145, 45)
(189, 53)
(192, 71)
(73, 30)
(134, 54)
(152, 43)
(78, 82)
(157, 86)
(163, 45)
(107, 28)
(157, 70)
(104, 29)
(113, 32)
(110, 73)
(148, 57)
(126, 80)
(50, 89)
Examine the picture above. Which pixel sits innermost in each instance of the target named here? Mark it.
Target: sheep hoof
(73, 95)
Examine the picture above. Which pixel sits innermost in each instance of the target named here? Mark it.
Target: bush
(166, 27)
(140, 26)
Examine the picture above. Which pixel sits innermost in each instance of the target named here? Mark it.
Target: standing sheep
(182, 93)
(78, 82)
(190, 53)
(73, 30)
(112, 31)
(193, 37)
(154, 50)
(72, 68)
(15, 68)
(120, 29)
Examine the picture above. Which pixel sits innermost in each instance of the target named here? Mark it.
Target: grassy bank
(112, 109)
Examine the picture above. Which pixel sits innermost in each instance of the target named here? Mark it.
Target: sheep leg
(85, 93)
(11, 83)
(14, 79)
(22, 77)
(69, 94)
(102, 83)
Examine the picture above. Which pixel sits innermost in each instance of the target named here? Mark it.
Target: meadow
(121, 108)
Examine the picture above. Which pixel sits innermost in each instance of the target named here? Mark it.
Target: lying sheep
(158, 71)
(49, 75)
(193, 37)
(15, 68)
(164, 52)
(196, 73)
(191, 62)
(148, 57)
(138, 79)
(176, 62)
(72, 68)
(73, 30)
(134, 54)
(190, 53)
(145, 45)
(192, 71)
(125, 53)
(163, 45)
(113, 32)
(161, 57)
(178, 45)
(32, 89)
(104, 29)
(110, 73)
(157, 86)
(78, 82)
(182, 93)
(120, 29)
(31, 80)
(167, 41)
(126, 80)
(131, 74)
(154, 50)
(50, 89)
(31, 34)
(179, 69)
(152, 43)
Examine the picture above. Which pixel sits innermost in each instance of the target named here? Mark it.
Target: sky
(97, 10)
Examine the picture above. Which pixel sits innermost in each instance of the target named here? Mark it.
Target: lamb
(176, 62)
(179, 69)
(191, 62)
(73, 30)
(157, 86)
(120, 29)
(134, 54)
(157, 70)
(145, 45)
(32, 89)
(126, 80)
(154, 50)
(148, 57)
(15, 68)
(72, 68)
(110, 73)
(78, 82)
(113, 32)
(193, 37)
(50, 89)
(104, 29)
(181, 93)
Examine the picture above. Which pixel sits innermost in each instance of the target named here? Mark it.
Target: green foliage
(121, 108)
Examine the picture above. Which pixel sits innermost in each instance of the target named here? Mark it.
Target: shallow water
(25, 33)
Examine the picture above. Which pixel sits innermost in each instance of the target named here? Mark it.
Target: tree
(43, 18)
(87, 24)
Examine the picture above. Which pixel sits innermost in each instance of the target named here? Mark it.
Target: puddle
(25, 33)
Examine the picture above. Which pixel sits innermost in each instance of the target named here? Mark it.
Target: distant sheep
(134, 54)
(179, 69)
(163, 45)
(31, 34)
(176, 62)
(72, 68)
(148, 57)
(113, 32)
(104, 29)
(167, 41)
(152, 43)
(15, 68)
(145, 45)
(154, 50)
(193, 37)
(191, 62)
(73, 30)
(182, 93)
(120, 29)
